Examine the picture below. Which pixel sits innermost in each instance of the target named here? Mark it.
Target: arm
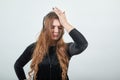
(22, 61)
(80, 43)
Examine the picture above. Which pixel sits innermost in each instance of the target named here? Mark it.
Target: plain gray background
(97, 20)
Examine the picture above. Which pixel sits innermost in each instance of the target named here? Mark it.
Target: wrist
(68, 27)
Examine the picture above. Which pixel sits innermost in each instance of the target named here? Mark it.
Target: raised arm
(80, 43)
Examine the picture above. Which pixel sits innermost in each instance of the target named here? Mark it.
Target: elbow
(83, 47)
(17, 65)
(86, 45)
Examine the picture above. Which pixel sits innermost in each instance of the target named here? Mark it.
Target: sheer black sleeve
(79, 44)
(22, 61)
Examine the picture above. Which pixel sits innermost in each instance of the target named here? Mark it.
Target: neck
(53, 43)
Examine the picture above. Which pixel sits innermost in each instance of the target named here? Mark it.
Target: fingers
(61, 15)
(58, 11)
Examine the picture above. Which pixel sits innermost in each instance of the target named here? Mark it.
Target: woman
(50, 55)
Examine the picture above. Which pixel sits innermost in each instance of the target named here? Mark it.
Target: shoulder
(68, 48)
(31, 46)
(69, 43)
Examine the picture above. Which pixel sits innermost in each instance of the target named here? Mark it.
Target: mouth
(55, 35)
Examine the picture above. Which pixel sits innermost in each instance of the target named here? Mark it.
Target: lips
(55, 35)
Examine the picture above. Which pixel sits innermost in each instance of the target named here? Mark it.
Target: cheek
(51, 30)
(61, 32)
(50, 33)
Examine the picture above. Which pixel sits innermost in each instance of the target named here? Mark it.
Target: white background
(97, 20)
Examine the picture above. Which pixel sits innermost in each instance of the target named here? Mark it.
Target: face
(56, 29)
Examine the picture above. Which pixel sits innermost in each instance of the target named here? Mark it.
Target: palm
(61, 16)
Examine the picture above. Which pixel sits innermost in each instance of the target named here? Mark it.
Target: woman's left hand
(61, 16)
(62, 19)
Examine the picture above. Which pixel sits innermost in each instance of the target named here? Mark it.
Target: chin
(55, 39)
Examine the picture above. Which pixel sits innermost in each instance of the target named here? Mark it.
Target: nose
(56, 30)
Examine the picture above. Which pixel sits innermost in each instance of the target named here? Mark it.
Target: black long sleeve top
(50, 67)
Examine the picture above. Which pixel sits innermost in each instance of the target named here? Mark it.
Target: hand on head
(61, 15)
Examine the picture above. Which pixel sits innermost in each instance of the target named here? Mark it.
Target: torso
(49, 68)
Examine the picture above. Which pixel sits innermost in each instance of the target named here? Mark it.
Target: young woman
(50, 55)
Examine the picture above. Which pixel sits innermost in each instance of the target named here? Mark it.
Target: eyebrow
(56, 25)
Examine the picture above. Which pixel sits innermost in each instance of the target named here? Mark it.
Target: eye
(60, 27)
(52, 27)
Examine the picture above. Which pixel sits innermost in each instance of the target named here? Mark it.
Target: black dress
(49, 68)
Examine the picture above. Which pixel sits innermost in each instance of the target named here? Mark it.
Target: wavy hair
(41, 49)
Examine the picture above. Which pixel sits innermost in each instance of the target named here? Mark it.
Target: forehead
(56, 22)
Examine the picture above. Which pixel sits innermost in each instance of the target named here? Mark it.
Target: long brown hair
(42, 45)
